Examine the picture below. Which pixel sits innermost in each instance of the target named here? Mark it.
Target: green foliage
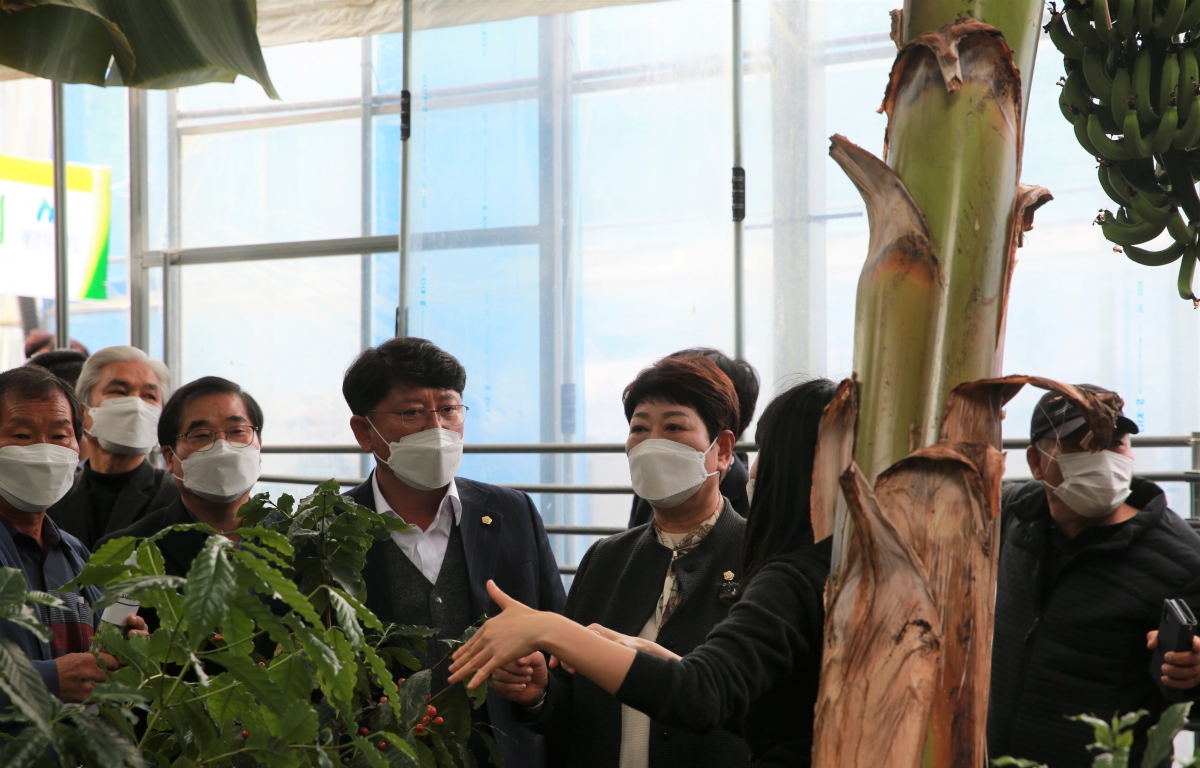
(265, 655)
(1113, 740)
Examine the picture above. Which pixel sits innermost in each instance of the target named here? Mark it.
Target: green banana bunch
(1132, 95)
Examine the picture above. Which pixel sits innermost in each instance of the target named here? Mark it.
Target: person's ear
(725, 443)
(1036, 461)
(168, 456)
(362, 432)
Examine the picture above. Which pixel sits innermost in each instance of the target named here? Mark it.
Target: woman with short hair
(758, 671)
(662, 581)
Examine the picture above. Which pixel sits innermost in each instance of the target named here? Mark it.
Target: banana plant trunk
(914, 499)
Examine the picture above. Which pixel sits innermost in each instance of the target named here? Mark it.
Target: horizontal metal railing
(1137, 441)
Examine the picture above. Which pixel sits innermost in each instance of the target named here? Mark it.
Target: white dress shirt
(425, 549)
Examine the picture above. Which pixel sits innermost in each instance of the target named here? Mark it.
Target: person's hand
(636, 643)
(137, 626)
(502, 639)
(524, 681)
(78, 674)
(1181, 668)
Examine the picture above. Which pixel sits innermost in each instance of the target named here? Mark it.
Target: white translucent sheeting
(281, 22)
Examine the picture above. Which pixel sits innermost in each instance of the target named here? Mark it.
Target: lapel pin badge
(728, 575)
(486, 520)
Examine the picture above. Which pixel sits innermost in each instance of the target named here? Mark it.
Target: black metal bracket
(739, 194)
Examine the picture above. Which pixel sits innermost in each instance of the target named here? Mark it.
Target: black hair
(780, 518)
(66, 364)
(743, 376)
(696, 382)
(401, 362)
(172, 412)
(33, 382)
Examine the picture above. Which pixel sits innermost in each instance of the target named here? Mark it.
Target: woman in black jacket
(759, 669)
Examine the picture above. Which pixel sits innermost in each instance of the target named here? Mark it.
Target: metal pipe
(172, 285)
(62, 290)
(1136, 441)
(139, 236)
(526, 487)
(366, 192)
(405, 130)
(486, 448)
(739, 187)
(1194, 512)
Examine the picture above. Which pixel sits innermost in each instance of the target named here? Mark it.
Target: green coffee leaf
(413, 695)
(293, 675)
(26, 750)
(277, 585)
(257, 681)
(1160, 739)
(25, 687)
(105, 742)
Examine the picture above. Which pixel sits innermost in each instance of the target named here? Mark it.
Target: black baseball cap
(1055, 413)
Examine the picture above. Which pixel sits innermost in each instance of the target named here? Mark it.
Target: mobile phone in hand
(1176, 629)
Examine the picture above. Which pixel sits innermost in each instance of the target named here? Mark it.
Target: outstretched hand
(516, 632)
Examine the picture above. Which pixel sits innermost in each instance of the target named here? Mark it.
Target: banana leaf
(136, 43)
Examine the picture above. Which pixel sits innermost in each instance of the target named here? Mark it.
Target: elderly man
(209, 432)
(122, 390)
(406, 397)
(1088, 554)
(40, 426)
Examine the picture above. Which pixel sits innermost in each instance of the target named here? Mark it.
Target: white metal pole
(739, 185)
(61, 289)
(405, 130)
(139, 288)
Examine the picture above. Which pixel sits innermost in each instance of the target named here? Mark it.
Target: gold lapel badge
(728, 575)
(487, 520)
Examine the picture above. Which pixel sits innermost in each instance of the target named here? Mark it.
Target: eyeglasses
(448, 415)
(204, 439)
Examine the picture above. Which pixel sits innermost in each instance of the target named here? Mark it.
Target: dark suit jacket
(618, 585)
(514, 551)
(147, 490)
(733, 487)
(178, 548)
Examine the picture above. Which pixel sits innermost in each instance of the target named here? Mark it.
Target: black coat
(733, 487)
(148, 489)
(618, 585)
(758, 670)
(513, 550)
(1077, 645)
(179, 548)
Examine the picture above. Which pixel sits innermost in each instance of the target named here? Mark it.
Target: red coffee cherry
(217, 638)
(425, 720)
(262, 663)
(400, 681)
(364, 731)
(419, 728)
(383, 699)
(382, 745)
(245, 734)
(438, 721)
(432, 710)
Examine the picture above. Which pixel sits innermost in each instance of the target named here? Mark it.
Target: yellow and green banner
(27, 228)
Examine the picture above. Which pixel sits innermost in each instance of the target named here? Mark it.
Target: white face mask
(222, 473)
(126, 425)
(33, 477)
(1094, 484)
(666, 473)
(427, 460)
(750, 491)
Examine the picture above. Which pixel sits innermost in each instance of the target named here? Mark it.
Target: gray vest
(445, 606)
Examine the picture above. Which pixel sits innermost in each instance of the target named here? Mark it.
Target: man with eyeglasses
(406, 400)
(209, 433)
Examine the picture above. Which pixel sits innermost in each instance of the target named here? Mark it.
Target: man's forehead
(222, 406)
(126, 370)
(414, 394)
(54, 406)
